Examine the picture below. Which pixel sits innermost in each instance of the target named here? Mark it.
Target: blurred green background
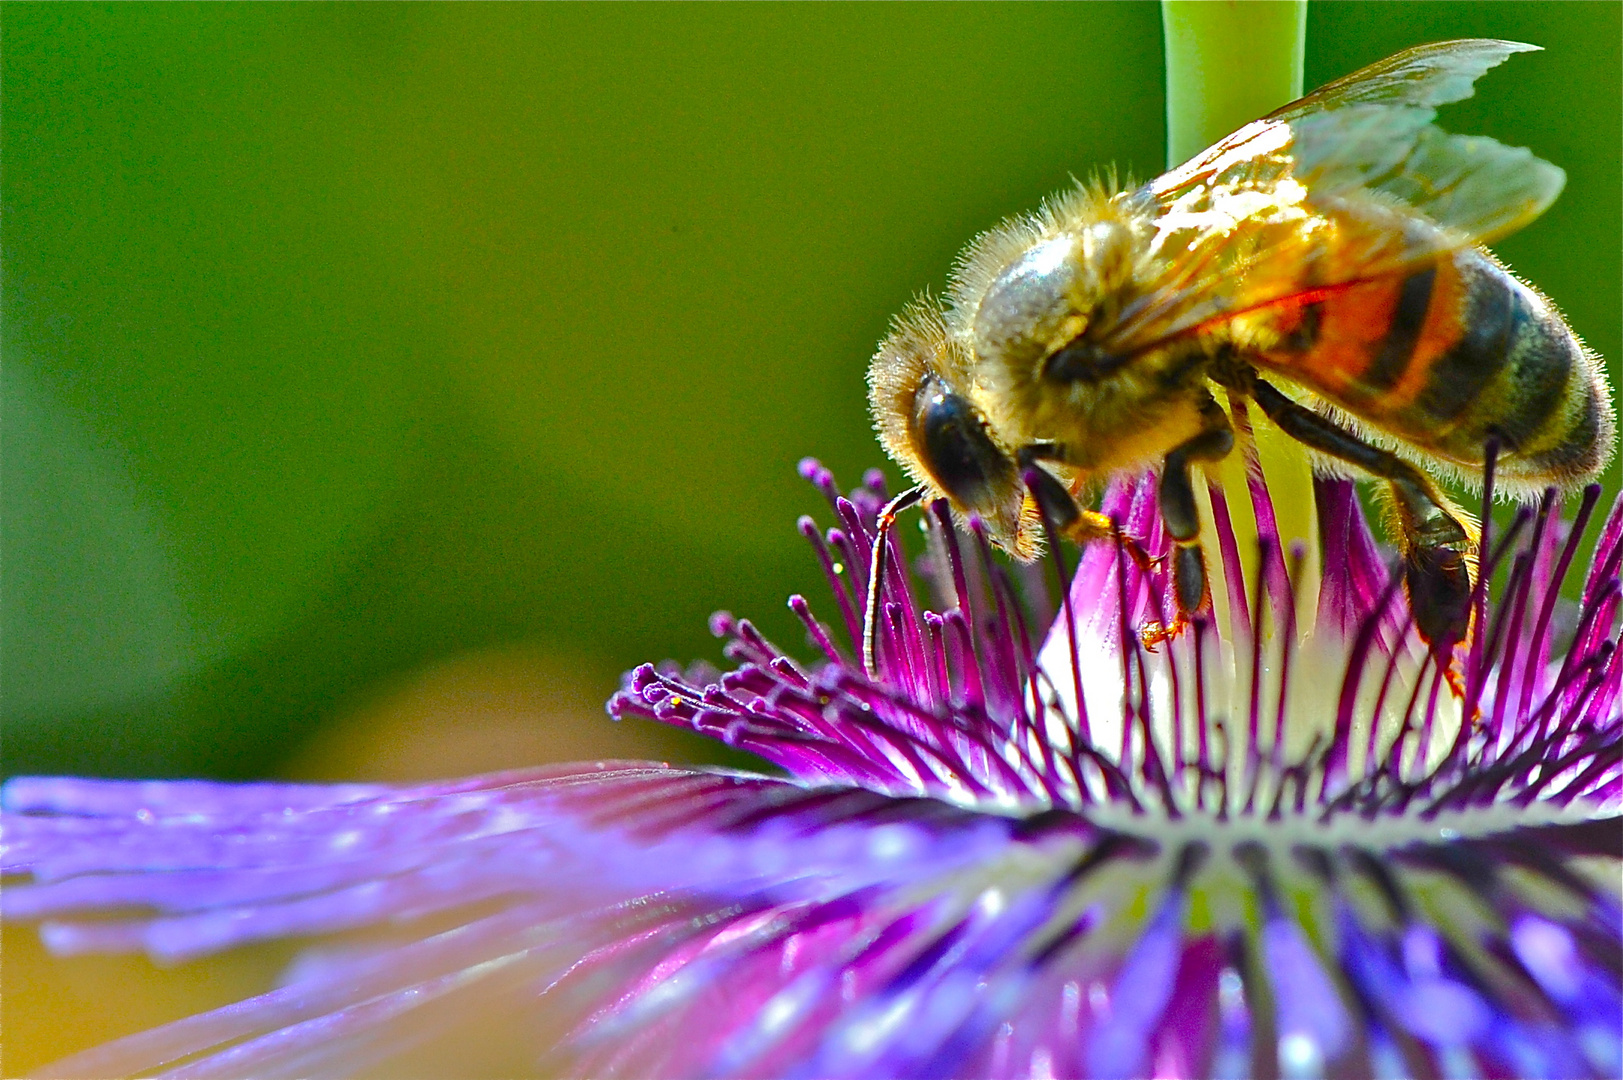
(379, 373)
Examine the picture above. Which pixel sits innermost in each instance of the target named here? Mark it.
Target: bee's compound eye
(1028, 308)
(952, 441)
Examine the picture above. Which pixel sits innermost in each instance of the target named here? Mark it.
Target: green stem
(1228, 63)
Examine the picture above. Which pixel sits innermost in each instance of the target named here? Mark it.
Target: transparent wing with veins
(1350, 183)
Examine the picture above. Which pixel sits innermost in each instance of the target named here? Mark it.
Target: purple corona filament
(1279, 844)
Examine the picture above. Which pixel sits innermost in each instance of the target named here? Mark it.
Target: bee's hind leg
(1181, 516)
(1439, 549)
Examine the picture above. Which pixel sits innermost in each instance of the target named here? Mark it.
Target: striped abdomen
(1451, 356)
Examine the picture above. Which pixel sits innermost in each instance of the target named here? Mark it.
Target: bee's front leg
(1055, 501)
(1059, 508)
(1439, 548)
(1181, 516)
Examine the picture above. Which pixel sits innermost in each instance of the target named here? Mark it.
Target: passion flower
(1290, 840)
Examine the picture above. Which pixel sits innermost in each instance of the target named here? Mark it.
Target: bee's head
(936, 432)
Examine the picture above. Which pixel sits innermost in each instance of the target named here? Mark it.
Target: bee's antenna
(876, 572)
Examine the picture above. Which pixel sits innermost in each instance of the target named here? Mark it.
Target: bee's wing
(1352, 181)
(1426, 75)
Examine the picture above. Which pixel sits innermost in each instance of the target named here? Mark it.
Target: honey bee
(1324, 263)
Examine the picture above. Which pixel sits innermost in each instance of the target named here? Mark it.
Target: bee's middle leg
(1179, 512)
